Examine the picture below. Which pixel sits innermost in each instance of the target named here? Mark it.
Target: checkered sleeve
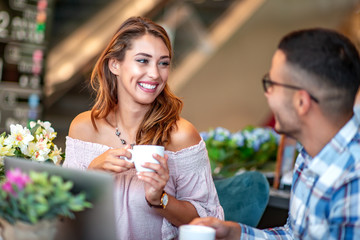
(344, 218)
(250, 233)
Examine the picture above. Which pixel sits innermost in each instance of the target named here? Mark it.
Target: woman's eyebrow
(143, 54)
(148, 55)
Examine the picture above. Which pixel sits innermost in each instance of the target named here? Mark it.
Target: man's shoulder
(357, 110)
(354, 145)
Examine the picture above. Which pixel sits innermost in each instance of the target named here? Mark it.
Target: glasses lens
(266, 83)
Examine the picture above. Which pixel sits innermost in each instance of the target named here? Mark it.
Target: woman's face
(143, 73)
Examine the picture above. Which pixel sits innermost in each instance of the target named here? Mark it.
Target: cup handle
(126, 159)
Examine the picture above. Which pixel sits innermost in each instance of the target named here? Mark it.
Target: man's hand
(224, 229)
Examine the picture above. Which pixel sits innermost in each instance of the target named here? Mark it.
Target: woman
(135, 106)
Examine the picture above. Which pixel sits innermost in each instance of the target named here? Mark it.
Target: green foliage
(42, 197)
(2, 172)
(250, 148)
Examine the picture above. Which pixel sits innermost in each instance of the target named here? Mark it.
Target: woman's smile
(148, 86)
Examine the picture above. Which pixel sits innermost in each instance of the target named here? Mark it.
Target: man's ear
(114, 66)
(302, 102)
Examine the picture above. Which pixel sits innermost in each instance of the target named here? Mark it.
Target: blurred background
(222, 49)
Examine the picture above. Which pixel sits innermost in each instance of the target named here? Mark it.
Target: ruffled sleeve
(79, 154)
(191, 180)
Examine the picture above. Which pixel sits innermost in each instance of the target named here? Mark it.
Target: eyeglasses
(268, 83)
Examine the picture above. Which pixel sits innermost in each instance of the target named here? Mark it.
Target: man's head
(320, 68)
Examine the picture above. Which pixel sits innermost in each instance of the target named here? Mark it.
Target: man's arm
(344, 217)
(228, 230)
(269, 233)
(224, 229)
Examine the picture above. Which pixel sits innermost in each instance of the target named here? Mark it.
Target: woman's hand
(155, 181)
(113, 160)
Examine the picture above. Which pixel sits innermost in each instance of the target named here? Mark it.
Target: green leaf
(32, 216)
(41, 209)
(35, 129)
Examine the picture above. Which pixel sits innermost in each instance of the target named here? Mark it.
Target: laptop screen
(97, 222)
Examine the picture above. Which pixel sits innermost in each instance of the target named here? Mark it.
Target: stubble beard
(286, 125)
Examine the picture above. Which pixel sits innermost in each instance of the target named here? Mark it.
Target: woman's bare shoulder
(184, 135)
(81, 127)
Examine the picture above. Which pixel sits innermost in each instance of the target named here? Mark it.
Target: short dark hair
(329, 56)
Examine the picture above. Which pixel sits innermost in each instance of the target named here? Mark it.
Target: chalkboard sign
(23, 42)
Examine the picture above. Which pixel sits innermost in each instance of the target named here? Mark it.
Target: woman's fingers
(117, 169)
(160, 176)
(121, 153)
(113, 160)
(153, 179)
(161, 168)
(162, 160)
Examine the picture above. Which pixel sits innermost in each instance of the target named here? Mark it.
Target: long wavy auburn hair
(161, 118)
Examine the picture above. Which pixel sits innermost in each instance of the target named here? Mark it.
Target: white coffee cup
(196, 232)
(142, 154)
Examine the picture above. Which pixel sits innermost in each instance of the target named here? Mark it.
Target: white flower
(5, 150)
(35, 143)
(39, 151)
(19, 137)
(55, 155)
(48, 131)
(32, 124)
(45, 129)
(51, 135)
(45, 124)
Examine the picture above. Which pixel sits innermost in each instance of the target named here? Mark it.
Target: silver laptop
(95, 223)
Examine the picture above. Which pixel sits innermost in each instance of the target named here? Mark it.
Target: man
(357, 104)
(311, 89)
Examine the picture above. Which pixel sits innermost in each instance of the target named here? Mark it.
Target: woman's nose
(153, 72)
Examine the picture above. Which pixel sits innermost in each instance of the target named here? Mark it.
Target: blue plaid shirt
(325, 194)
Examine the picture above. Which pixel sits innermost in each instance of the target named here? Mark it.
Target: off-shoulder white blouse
(190, 180)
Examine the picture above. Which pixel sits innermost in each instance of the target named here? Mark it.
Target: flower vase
(43, 230)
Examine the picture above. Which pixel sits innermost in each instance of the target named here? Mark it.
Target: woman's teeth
(147, 86)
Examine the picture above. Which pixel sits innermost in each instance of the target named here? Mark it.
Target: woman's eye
(142, 60)
(165, 63)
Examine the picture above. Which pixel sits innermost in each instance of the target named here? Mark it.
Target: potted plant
(30, 204)
(247, 149)
(34, 143)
